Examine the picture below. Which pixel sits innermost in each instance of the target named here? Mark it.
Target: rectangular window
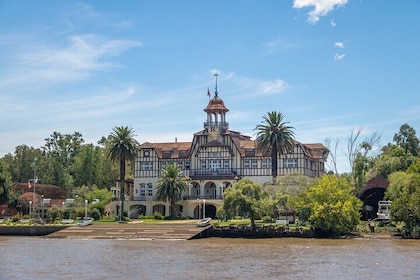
(290, 163)
(264, 163)
(254, 163)
(246, 163)
(187, 164)
(149, 189)
(226, 163)
(146, 165)
(142, 190)
(203, 164)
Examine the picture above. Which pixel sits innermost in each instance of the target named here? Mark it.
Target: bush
(16, 218)
(95, 214)
(157, 216)
(66, 214)
(267, 219)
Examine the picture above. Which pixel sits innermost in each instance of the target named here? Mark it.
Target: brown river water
(211, 258)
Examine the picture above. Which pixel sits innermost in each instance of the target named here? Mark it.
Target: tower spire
(216, 94)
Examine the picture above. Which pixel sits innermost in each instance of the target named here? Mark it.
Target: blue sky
(330, 66)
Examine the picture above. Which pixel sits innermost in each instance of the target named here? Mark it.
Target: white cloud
(332, 22)
(272, 87)
(338, 57)
(321, 7)
(275, 45)
(339, 44)
(82, 55)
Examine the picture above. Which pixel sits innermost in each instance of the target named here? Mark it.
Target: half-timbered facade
(213, 161)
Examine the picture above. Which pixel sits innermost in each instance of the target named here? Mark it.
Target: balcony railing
(216, 123)
(200, 197)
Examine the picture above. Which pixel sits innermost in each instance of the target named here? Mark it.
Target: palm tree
(122, 147)
(171, 185)
(274, 135)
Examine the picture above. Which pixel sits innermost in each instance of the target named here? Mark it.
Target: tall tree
(61, 150)
(407, 139)
(171, 185)
(122, 148)
(274, 136)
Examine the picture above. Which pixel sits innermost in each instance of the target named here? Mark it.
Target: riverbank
(182, 230)
(30, 230)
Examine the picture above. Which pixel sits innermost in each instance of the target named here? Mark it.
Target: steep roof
(169, 149)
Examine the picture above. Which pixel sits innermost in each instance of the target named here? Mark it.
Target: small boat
(204, 222)
(85, 222)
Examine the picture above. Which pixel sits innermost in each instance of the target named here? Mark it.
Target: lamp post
(121, 211)
(86, 204)
(42, 206)
(34, 180)
(198, 212)
(75, 209)
(204, 208)
(30, 207)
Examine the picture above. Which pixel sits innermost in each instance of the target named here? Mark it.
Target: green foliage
(407, 139)
(158, 216)
(95, 214)
(54, 213)
(66, 214)
(122, 147)
(16, 218)
(92, 193)
(246, 198)
(171, 185)
(330, 206)
(404, 191)
(274, 136)
(221, 214)
(392, 159)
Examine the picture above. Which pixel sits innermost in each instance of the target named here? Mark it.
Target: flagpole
(34, 180)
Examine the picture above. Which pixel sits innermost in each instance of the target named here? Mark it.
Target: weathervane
(216, 93)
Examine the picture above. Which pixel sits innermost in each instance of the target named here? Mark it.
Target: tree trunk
(173, 206)
(274, 168)
(122, 184)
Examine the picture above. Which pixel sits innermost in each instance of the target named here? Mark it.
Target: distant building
(213, 161)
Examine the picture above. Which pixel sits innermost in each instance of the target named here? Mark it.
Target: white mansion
(213, 161)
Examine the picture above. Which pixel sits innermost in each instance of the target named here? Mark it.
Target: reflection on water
(212, 258)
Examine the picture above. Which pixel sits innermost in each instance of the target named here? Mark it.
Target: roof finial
(216, 93)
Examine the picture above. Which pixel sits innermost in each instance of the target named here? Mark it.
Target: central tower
(216, 116)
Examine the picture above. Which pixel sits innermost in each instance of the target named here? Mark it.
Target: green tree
(330, 206)
(275, 136)
(245, 197)
(393, 158)
(404, 191)
(171, 185)
(61, 149)
(122, 148)
(85, 165)
(407, 139)
(287, 190)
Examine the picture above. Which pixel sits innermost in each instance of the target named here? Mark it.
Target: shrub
(16, 218)
(95, 214)
(267, 219)
(66, 214)
(157, 216)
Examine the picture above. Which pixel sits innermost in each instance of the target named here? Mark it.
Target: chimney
(176, 140)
